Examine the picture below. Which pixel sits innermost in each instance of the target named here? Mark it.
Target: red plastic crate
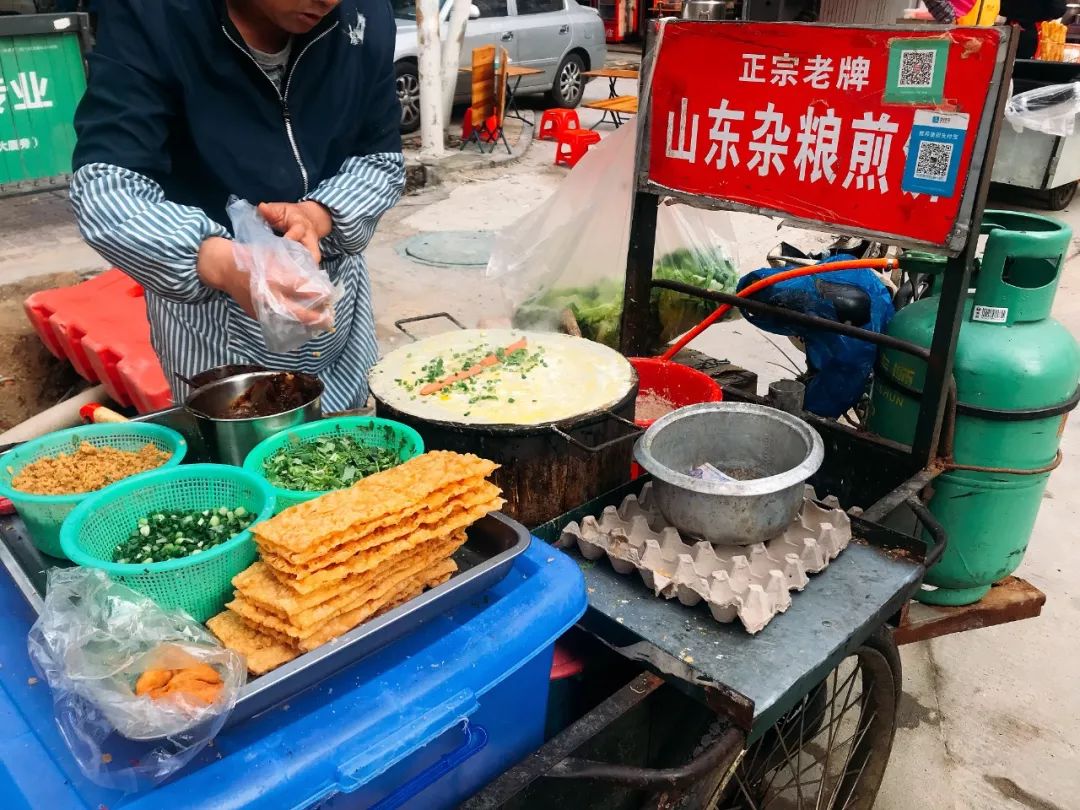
(100, 327)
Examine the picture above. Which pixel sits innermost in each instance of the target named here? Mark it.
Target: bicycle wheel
(830, 751)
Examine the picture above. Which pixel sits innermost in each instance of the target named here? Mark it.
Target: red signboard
(868, 130)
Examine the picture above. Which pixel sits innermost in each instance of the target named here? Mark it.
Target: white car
(559, 37)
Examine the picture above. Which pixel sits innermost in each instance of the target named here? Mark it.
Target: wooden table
(615, 107)
(612, 75)
(514, 75)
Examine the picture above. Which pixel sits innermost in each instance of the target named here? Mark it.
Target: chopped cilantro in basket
(327, 462)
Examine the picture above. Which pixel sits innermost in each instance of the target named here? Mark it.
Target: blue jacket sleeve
(125, 217)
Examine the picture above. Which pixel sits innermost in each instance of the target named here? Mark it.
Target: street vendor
(1027, 14)
(290, 104)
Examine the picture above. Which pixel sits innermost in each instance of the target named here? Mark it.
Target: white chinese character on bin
(723, 139)
(753, 68)
(24, 143)
(681, 151)
(870, 153)
(3, 94)
(785, 70)
(768, 144)
(29, 89)
(819, 141)
(818, 70)
(854, 73)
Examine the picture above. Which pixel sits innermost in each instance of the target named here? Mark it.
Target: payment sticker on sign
(933, 159)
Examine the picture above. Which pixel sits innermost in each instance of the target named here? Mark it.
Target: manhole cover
(450, 248)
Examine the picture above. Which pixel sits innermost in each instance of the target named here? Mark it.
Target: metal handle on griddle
(598, 448)
(431, 317)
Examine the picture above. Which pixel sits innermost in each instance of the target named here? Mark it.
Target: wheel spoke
(833, 729)
(847, 760)
(859, 732)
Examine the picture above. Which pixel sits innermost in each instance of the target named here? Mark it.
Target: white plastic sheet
(1051, 109)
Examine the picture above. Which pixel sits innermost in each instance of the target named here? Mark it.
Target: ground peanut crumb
(87, 469)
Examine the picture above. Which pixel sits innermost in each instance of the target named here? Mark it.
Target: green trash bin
(42, 79)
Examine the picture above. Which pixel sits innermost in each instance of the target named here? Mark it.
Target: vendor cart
(805, 711)
(651, 704)
(1035, 161)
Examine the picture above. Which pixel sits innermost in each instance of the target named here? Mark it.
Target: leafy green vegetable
(327, 462)
(174, 534)
(709, 270)
(598, 308)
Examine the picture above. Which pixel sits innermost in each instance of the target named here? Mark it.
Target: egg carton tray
(751, 583)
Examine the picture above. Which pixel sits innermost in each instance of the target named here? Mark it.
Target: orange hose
(795, 272)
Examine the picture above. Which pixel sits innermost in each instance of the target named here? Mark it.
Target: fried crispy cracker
(259, 587)
(342, 512)
(362, 561)
(382, 540)
(322, 614)
(264, 651)
(319, 554)
(261, 652)
(436, 575)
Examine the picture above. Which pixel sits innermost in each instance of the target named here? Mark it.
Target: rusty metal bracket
(1010, 600)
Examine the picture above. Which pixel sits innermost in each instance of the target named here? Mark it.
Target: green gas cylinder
(1016, 371)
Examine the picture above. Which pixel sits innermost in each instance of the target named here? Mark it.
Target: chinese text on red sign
(872, 129)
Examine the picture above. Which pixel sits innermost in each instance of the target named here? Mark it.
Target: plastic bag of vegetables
(562, 266)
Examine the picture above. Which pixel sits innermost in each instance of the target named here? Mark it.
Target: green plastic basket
(200, 584)
(369, 430)
(44, 514)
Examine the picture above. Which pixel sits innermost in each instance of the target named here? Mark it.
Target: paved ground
(991, 719)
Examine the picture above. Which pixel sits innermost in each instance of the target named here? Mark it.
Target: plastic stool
(555, 122)
(573, 144)
(467, 127)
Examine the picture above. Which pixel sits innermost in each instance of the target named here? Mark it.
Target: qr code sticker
(932, 162)
(917, 68)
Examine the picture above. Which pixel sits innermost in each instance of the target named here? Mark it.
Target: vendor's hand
(218, 269)
(304, 222)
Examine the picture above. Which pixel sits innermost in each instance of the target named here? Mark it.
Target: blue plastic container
(423, 723)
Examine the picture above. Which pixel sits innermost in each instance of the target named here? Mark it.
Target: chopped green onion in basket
(327, 462)
(170, 535)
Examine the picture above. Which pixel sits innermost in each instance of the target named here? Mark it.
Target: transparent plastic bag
(92, 641)
(292, 296)
(563, 265)
(1051, 109)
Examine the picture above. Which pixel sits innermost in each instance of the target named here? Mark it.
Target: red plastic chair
(467, 127)
(555, 122)
(573, 144)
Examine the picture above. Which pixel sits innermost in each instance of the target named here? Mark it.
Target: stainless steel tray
(493, 544)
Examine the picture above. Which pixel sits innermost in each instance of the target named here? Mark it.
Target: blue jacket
(174, 96)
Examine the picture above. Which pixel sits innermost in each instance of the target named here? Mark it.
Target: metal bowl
(774, 452)
(229, 439)
(222, 372)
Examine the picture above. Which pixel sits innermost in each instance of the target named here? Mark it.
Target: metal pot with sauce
(562, 431)
(237, 412)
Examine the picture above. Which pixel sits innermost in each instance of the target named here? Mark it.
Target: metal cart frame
(866, 471)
